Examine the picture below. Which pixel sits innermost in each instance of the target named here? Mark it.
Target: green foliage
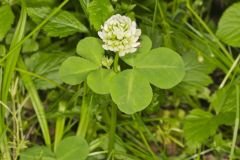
(199, 125)
(62, 25)
(37, 153)
(91, 49)
(196, 78)
(74, 70)
(74, 148)
(6, 20)
(228, 27)
(47, 65)
(174, 81)
(163, 62)
(127, 86)
(145, 47)
(40, 3)
(30, 46)
(224, 100)
(99, 12)
(126, 91)
(100, 80)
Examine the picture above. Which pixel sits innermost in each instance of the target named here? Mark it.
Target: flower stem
(112, 129)
(115, 63)
(113, 114)
(84, 117)
(235, 133)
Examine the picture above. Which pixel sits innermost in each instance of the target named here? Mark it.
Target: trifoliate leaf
(91, 49)
(127, 90)
(145, 46)
(100, 80)
(72, 148)
(163, 67)
(74, 70)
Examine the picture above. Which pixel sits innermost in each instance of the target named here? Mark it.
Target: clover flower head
(120, 34)
(107, 61)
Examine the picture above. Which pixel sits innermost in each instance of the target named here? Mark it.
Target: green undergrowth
(64, 97)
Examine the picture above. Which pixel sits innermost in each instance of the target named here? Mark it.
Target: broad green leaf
(228, 27)
(46, 65)
(72, 148)
(99, 12)
(99, 80)
(196, 78)
(145, 46)
(162, 66)
(61, 25)
(224, 100)
(91, 49)
(6, 20)
(37, 153)
(131, 91)
(198, 126)
(74, 70)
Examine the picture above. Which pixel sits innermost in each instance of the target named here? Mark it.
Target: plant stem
(229, 72)
(209, 31)
(115, 63)
(113, 114)
(85, 113)
(138, 123)
(235, 133)
(37, 104)
(112, 129)
(59, 130)
(8, 74)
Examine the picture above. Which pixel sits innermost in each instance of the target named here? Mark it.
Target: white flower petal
(120, 34)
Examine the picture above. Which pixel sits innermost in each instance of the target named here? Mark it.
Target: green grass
(47, 102)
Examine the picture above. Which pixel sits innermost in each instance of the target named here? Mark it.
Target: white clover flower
(120, 34)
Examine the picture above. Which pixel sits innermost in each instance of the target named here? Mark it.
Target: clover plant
(161, 67)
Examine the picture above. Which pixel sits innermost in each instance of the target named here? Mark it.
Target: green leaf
(72, 148)
(91, 49)
(145, 46)
(196, 78)
(30, 45)
(224, 100)
(99, 80)
(74, 70)
(46, 65)
(37, 153)
(6, 20)
(228, 27)
(61, 25)
(198, 126)
(99, 12)
(162, 66)
(40, 3)
(131, 91)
